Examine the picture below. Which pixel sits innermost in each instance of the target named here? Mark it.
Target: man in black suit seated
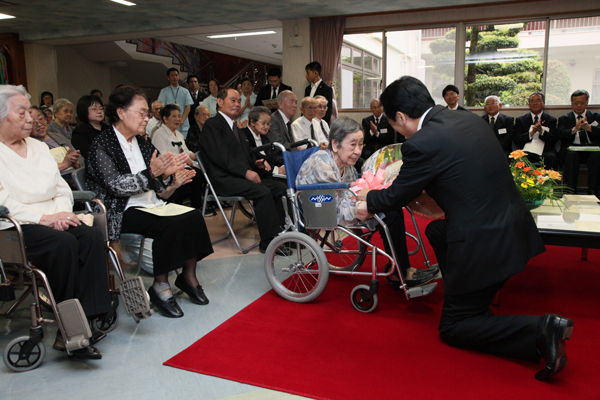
(273, 89)
(580, 127)
(377, 129)
(488, 234)
(281, 120)
(318, 87)
(451, 96)
(535, 133)
(502, 125)
(235, 171)
(197, 96)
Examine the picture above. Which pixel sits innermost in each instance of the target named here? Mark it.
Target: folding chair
(211, 195)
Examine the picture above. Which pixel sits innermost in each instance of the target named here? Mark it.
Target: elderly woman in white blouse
(127, 172)
(70, 253)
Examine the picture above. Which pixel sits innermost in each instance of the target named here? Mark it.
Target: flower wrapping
(370, 181)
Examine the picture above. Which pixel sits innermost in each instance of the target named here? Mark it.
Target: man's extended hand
(362, 195)
(361, 211)
(253, 176)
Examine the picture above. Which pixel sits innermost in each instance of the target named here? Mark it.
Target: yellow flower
(554, 175)
(524, 184)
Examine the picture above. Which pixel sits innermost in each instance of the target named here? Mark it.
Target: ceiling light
(6, 16)
(240, 34)
(124, 2)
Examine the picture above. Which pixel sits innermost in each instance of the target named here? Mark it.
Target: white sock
(163, 290)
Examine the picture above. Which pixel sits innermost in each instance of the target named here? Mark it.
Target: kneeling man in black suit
(488, 234)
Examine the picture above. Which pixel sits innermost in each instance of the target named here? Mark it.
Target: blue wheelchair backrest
(293, 161)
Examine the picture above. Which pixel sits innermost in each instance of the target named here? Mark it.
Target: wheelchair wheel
(245, 209)
(344, 252)
(300, 277)
(109, 322)
(26, 362)
(366, 305)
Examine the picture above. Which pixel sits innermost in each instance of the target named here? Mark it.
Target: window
(359, 75)
(596, 88)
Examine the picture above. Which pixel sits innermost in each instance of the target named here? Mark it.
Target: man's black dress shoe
(87, 353)
(553, 331)
(281, 251)
(419, 277)
(168, 308)
(196, 294)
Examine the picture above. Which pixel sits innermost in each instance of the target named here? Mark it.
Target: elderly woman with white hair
(336, 164)
(69, 252)
(63, 116)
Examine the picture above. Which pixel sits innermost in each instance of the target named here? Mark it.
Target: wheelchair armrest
(317, 186)
(83, 195)
(4, 211)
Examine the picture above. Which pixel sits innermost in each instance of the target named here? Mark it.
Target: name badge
(502, 131)
(384, 130)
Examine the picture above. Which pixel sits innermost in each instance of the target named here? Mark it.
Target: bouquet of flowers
(534, 184)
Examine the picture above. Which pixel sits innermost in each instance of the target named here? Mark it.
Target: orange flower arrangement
(534, 184)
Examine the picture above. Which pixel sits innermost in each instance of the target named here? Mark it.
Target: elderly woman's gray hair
(342, 127)
(254, 114)
(6, 92)
(60, 103)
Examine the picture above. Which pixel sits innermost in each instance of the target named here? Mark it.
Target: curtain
(327, 34)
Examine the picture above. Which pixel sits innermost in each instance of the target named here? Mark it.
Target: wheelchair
(326, 247)
(18, 274)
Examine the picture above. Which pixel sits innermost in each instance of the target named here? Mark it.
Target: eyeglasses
(96, 108)
(142, 113)
(536, 101)
(322, 107)
(491, 104)
(311, 107)
(265, 123)
(580, 103)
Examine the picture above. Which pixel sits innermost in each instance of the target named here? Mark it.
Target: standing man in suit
(318, 87)
(451, 96)
(535, 133)
(235, 171)
(197, 97)
(377, 129)
(180, 96)
(478, 247)
(580, 127)
(502, 125)
(281, 120)
(273, 89)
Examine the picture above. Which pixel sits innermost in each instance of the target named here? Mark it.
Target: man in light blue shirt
(180, 96)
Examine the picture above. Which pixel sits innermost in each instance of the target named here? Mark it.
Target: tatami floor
(133, 354)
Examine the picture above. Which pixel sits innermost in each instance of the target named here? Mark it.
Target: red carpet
(328, 350)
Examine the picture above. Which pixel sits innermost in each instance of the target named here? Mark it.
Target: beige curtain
(327, 34)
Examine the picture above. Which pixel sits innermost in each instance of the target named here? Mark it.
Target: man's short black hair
(172, 69)
(193, 76)
(313, 66)
(537, 94)
(407, 95)
(274, 71)
(166, 111)
(450, 88)
(581, 92)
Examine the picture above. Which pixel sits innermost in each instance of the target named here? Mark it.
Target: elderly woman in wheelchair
(336, 164)
(70, 253)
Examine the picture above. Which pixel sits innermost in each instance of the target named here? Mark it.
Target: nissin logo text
(321, 198)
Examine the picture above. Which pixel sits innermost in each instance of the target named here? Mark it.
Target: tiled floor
(133, 354)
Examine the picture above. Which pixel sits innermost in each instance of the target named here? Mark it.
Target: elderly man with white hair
(281, 120)
(502, 125)
(155, 122)
(303, 127)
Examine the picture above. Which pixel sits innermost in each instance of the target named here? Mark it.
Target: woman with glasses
(127, 174)
(90, 114)
(259, 122)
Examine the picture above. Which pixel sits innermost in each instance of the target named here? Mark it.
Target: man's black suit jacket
(222, 154)
(265, 93)
(503, 122)
(567, 122)
(459, 108)
(324, 90)
(491, 234)
(524, 122)
(373, 142)
(197, 101)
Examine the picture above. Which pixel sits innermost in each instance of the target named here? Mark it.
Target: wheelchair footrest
(77, 329)
(419, 291)
(135, 299)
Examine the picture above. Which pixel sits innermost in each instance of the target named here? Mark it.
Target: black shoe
(552, 333)
(281, 251)
(168, 308)
(420, 277)
(210, 211)
(196, 294)
(87, 353)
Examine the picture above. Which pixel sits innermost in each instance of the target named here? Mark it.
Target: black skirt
(176, 238)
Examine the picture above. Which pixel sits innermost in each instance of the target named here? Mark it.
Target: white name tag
(595, 123)
(384, 130)
(502, 131)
